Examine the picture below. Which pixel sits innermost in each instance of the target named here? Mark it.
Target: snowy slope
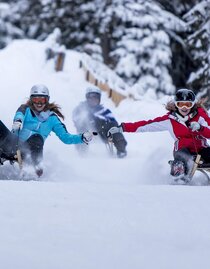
(96, 212)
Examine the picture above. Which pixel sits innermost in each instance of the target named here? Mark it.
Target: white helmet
(93, 89)
(39, 89)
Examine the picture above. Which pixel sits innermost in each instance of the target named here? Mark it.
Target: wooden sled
(200, 166)
(12, 159)
(19, 159)
(110, 146)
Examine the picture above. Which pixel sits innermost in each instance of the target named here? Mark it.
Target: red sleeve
(205, 132)
(155, 124)
(204, 114)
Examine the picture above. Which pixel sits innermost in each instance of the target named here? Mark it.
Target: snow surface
(97, 212)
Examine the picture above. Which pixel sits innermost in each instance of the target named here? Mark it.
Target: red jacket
(178, 127)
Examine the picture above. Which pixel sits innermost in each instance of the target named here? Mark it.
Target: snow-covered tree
(7, 30)
(177, 7)
(81, 24)
(198, 40)
(38, 18)
(141, 40)
(26, 16)
(182, 62)
(135, 38)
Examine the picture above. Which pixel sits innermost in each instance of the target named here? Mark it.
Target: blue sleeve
(60, 130)
(105, 114)
(20, 113)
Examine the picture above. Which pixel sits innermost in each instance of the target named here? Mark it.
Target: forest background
(161, 45)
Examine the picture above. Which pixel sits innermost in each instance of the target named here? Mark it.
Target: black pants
(103, 127)
(185, 154)
(8, 142)
(31, 149)
(205, 154)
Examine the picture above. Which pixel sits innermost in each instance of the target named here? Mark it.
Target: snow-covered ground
(96, 212)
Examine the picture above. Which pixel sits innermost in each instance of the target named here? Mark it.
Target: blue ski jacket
(43, 123)
(86, 117)
(83, 110)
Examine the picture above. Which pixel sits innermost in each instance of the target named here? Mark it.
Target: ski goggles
(187, 104)
(39, 100)
(93, 95)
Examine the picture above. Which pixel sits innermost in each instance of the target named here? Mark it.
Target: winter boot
(39, 170)
(121, 154)
(120, 145)
(177, 168)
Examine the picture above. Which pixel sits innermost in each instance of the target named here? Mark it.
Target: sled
(19, 159)
(112, 149)
(110, 146)
(21, 173)
(13, 159)
(197, 165)
(200, 166)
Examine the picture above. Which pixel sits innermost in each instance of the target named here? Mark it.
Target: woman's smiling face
(184, 111)
(39, 102)
(39, 107)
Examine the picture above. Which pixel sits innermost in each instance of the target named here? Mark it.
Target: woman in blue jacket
(34, 121)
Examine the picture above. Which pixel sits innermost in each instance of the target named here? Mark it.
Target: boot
(38, 170)
(177, 168)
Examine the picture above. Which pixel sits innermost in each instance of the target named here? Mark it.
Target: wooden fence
(58, 57)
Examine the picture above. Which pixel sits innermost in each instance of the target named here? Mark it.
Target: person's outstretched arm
(156, 125)
(60, 130)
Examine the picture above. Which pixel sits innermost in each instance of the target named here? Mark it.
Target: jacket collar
(179, 118)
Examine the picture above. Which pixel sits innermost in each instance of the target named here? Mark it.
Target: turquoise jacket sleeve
(20, 114)
(60, 130)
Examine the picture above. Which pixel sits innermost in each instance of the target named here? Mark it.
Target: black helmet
(184, 95)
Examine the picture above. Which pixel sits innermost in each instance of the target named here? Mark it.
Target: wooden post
(110, 93)
(87, 75)
(59, 61)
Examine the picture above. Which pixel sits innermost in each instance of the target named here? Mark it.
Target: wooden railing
(58, 57)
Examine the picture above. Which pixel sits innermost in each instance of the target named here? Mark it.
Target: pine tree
(26, 16)
(182, 61)
(177, 7)
(135, 38)
(7, 30)
(198, 19)
(141, 40)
